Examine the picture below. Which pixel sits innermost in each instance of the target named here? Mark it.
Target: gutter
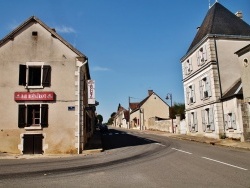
(218, 68)
(79, 64)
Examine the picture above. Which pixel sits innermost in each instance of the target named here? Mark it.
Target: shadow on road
(116, 139)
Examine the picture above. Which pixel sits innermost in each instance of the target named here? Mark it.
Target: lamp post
(169, 96)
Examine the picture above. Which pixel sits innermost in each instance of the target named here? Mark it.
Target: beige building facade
(151, 106)
(43, 92)
(212, 74)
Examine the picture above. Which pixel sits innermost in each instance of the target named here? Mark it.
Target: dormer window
(201, 56)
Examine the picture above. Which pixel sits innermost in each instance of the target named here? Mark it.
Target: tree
(177, 108)
(111, 119)
(99, 119)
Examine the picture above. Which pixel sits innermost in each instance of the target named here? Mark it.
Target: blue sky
(132, 45)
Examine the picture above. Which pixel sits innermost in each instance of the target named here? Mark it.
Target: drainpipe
(218, 69)
(79, 64)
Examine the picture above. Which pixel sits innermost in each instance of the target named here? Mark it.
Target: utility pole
(169, 96)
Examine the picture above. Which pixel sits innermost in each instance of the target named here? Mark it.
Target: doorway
(33, 144)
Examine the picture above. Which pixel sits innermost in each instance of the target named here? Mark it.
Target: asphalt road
(135, 159)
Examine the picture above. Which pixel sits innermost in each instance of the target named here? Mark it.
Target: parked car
(103, 128)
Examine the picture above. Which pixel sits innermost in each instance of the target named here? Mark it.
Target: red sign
(34, 96)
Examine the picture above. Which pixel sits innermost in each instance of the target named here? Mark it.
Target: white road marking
(225, 163)
(182, 151)
(160, 144)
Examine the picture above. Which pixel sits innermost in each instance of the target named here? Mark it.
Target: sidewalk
(222, 142)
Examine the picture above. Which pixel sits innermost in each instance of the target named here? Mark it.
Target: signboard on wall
(34, 96)
(91, 92)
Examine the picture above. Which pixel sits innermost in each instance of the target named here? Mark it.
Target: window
(201, 56)
(208, 119)
(205, 88)
(188, 67)
(230, 121)
(34, 115)
(190, 94)
(192, 122)
(34, 76)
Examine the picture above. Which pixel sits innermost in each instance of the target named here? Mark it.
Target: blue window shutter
(211, 119)
(187, 95)
(193, 93)
(201, 89)
(198, 57)
(234, 126)
(195, 122)
(208, 87)
(226, 121)
(189, 122)
(203, 112)
(204, 53)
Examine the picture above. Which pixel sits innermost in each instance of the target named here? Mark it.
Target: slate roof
(220, 21)
(236, 90)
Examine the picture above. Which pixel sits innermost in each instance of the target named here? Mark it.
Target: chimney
(150, 92)
(239, 14)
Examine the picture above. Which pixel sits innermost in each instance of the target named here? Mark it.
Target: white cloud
(97, 68)
(64, 29)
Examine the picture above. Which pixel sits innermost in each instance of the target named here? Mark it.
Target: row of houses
(46, 88)
(216, 81)
(140, 115)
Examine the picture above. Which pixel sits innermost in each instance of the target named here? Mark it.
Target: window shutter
(201, 89)
(226, 121)
(208, 87)
(234, 126)
(190, 65)
(198, 57)
(204, 55)
(44, 115)
(46, 76)
(195, 122)
(211, 119)
(187, 95)
(203, 120)
(193, 93)
(21, 116)
(189, 122)
(22, 75)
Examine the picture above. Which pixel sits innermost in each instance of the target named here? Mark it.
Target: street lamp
(169, 96)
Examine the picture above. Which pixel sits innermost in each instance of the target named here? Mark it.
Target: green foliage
(111, 119)
(178, 108)
(99, 118)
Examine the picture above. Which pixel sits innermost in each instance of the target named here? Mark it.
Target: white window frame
(190, 94)
(230, 121)
(192, 122)
(208, 119)
(188, 66)
(205, 87)
(34, 64)
(201, 55)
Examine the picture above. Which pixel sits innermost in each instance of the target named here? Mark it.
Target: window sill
(34, 87)
(33, 128)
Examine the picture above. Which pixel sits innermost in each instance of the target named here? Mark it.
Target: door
(33, 144)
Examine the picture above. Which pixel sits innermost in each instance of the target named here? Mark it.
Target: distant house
(212, 75)
(44, 92)
(150, 107)
(121, 117)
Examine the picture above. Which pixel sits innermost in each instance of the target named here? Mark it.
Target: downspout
(79, 102)
(218, 69)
